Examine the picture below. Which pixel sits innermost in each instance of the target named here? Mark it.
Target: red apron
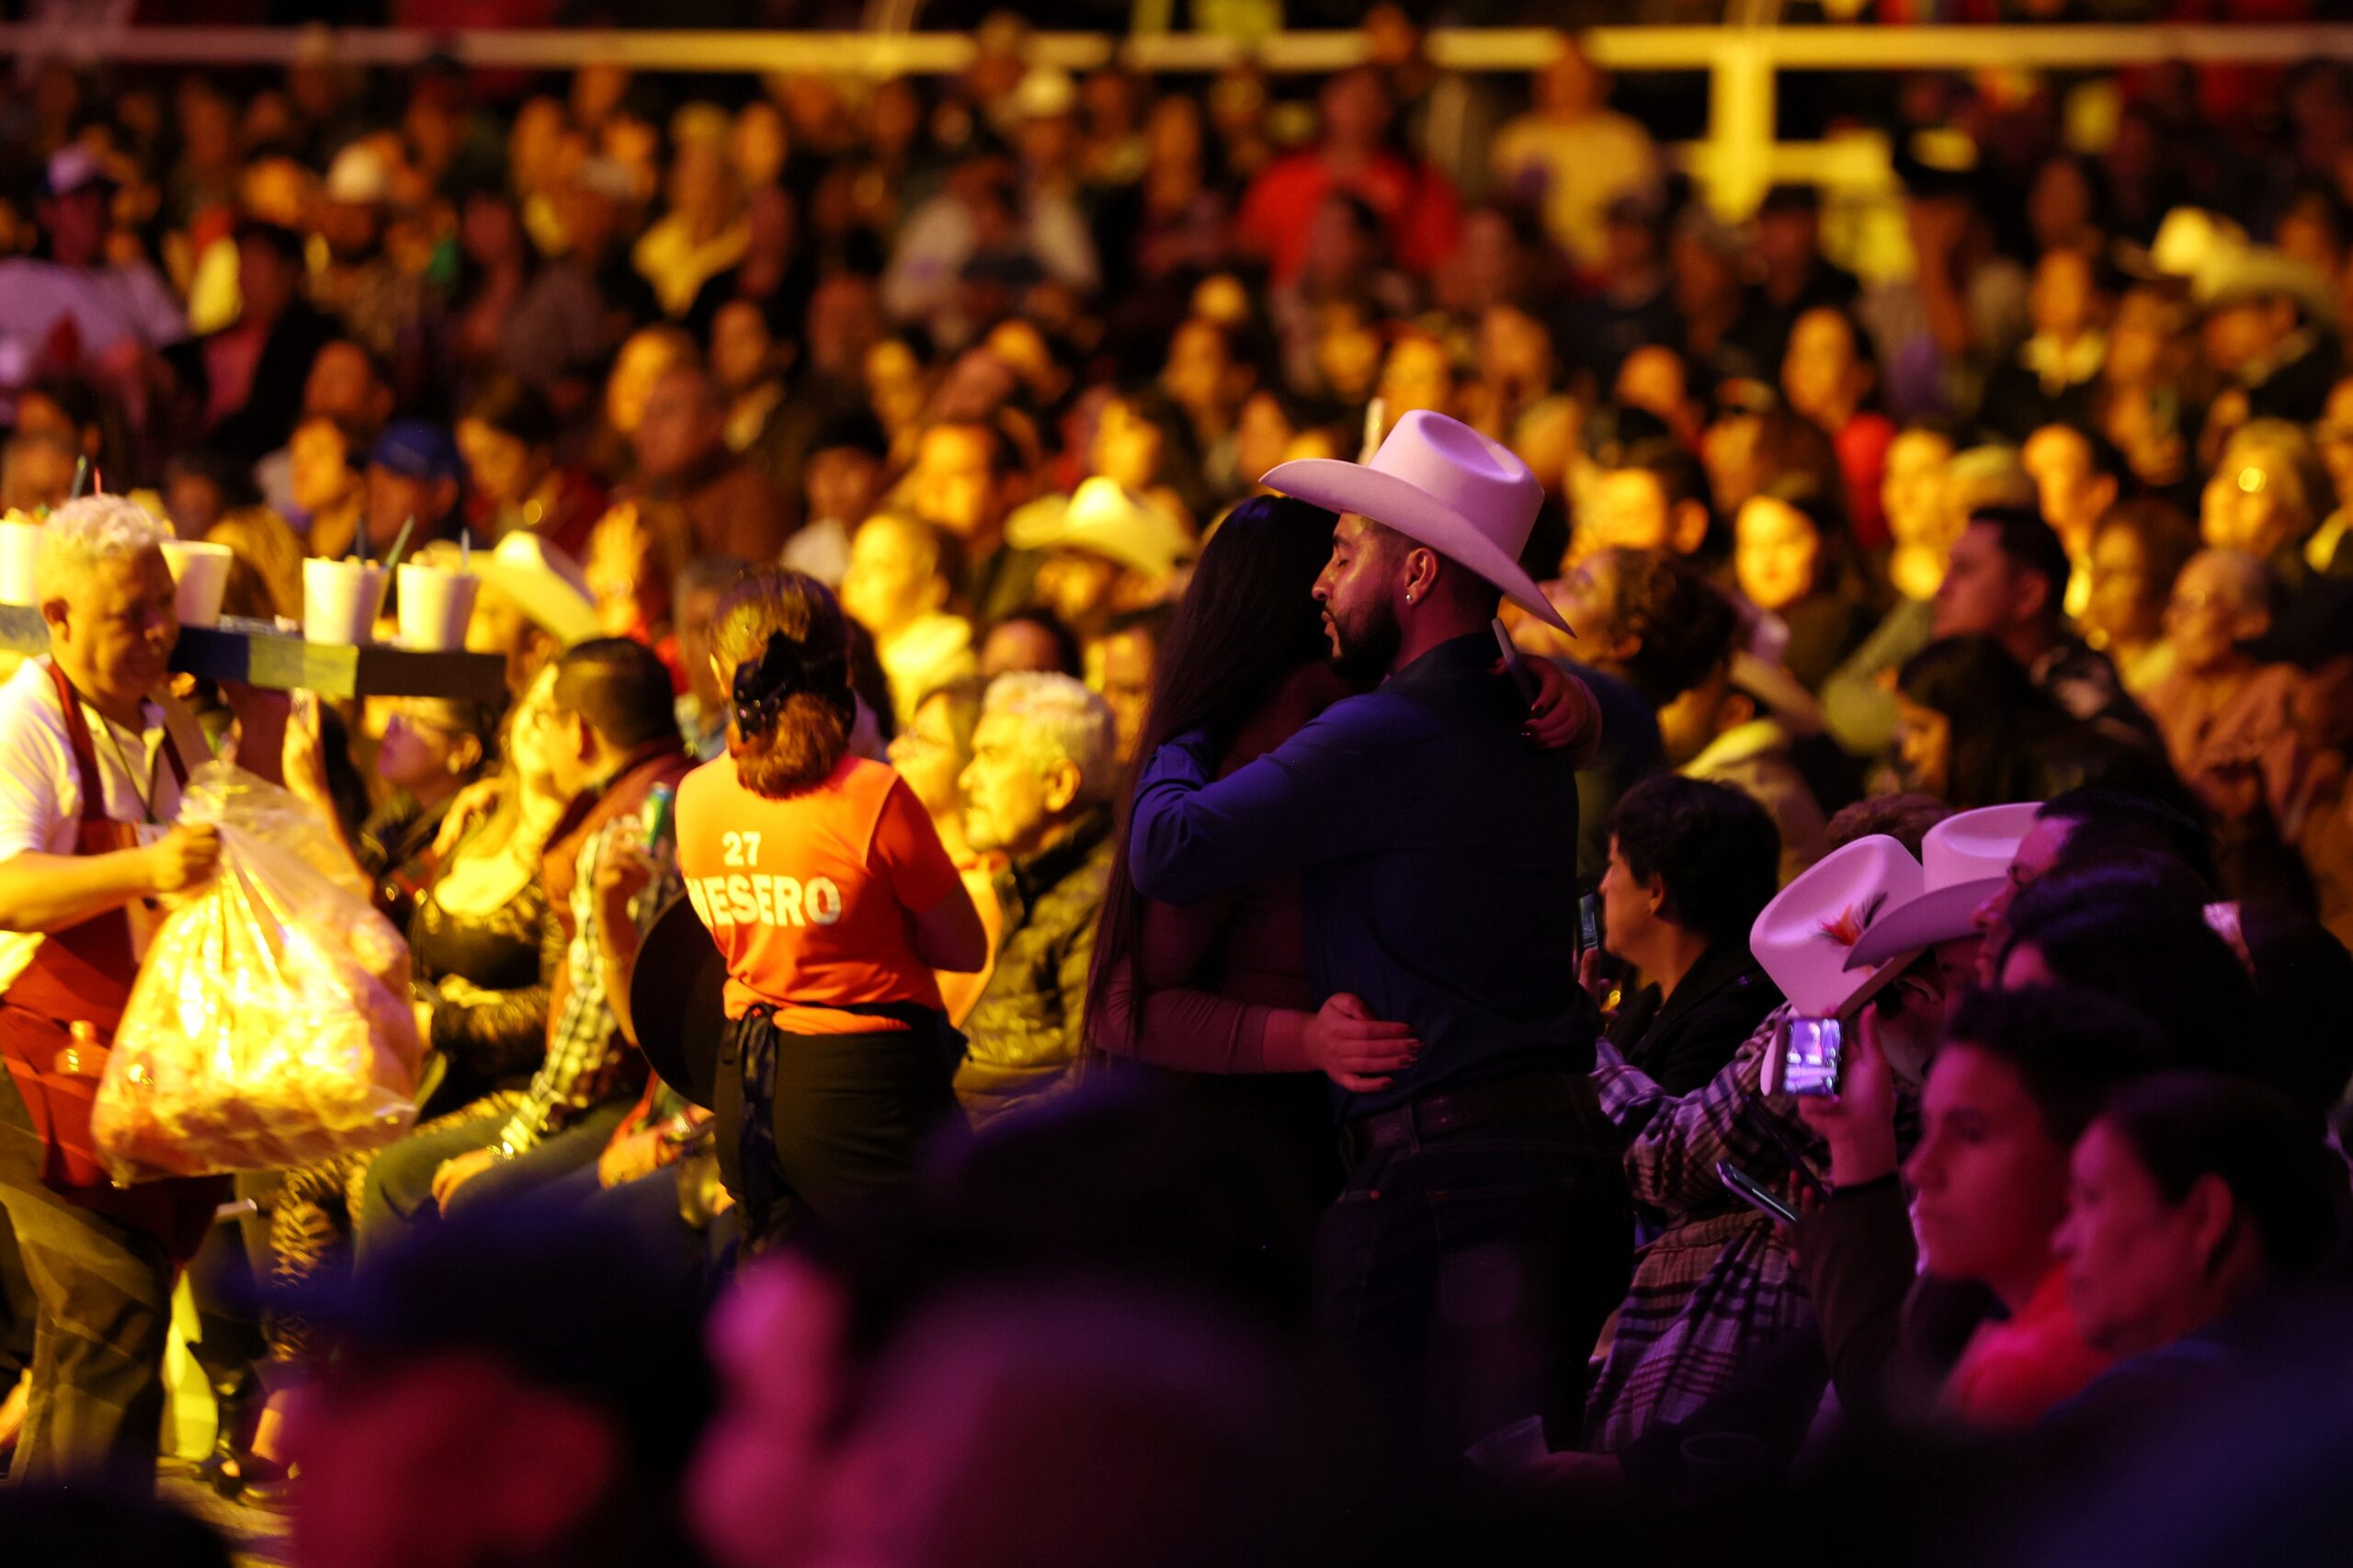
(83, 975)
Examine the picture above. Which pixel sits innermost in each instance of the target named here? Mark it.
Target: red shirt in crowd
(1861, 444)
(812, 898)
(1418, 204)
(2014, 1370)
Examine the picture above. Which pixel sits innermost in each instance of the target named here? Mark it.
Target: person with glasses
(2138, 551)
(432, 748)
(931, 754)
(2225, 715)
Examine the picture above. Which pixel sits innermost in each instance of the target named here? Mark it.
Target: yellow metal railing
(1735, 161)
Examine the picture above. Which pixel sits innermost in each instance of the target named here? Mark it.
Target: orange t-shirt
(812, 898)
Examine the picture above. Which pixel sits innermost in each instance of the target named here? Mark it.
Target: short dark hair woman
(1691, 865)
(2135, 930)
(823, 883)
(2192, 1193)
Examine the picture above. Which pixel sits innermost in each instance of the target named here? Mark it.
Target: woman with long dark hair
(1220, 988)
(1972, 729)
(824, 885)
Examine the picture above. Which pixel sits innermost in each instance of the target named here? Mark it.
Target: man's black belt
(1479, 1105)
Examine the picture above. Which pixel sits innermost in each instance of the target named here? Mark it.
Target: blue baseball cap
(415, 449)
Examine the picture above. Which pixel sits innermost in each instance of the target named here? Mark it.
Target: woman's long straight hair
(1247, 623)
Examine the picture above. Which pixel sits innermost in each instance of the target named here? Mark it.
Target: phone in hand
(1521, 676)
(1746, 1187)
(1589, 927)
(1806, 1058)
(655, 815)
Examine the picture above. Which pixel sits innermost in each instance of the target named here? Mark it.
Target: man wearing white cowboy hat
(534, 603)
(1109, 550)
(1437, 850)
(2269, 327)
(1965, 860)
(1678, 1344)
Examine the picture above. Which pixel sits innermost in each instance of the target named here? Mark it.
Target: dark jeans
(647, 1208)
(1468, 1275)
(103, 1291)
(846, 1116)
(398, 1195)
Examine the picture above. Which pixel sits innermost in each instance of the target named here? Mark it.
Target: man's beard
(1368, 647)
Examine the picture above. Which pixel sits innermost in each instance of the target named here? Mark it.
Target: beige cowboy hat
(1440, 483)
(2259, 272)
(548, 585)
(1103, 519)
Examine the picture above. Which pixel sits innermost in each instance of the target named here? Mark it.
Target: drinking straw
(399, 543)
(81, 477)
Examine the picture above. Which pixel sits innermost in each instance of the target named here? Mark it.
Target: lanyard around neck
(146, 796)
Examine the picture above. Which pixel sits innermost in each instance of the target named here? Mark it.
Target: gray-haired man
(1039, 792)
(90, 776)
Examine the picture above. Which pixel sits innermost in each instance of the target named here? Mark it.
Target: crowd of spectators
(2016, 573)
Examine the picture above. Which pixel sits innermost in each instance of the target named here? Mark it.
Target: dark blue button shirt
(1438, 853)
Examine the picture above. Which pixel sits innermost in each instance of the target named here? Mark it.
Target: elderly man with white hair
(1038, 791)
(91, 767)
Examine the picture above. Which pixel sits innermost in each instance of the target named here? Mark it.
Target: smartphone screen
(1811, 1056)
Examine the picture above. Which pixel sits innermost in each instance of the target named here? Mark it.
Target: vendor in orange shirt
(824, 885)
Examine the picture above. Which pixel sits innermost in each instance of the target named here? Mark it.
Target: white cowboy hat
(1963, 860)
(1805, 934)
(547, 584)
(1103, 519)
(2259, 272)
(1440, 483)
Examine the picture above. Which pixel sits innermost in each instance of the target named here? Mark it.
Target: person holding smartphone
(1717, 1287)
(1692, 866)
(1976, 1325)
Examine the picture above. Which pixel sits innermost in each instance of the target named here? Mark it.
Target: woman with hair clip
(1220, 987)
(823, 883)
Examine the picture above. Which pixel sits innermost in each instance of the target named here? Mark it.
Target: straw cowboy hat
(1103, 519)
(1964, 860)
(2188, 240)
(1803, 937)
(547, 584)
(1440, 483)
(2257, 273)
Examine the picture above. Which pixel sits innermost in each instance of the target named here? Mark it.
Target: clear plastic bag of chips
(271, 1024)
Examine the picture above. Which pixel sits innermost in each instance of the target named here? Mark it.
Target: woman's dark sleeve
(496, 1034)
(1858, 1255)
(1174, 1025)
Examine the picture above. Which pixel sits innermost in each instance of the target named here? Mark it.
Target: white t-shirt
(40, 791)
(108, 304)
